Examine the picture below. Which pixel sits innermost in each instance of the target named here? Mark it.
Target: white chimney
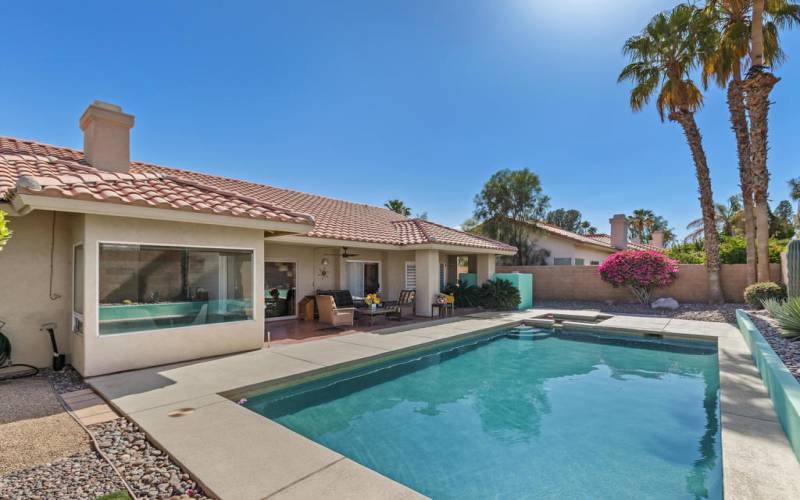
(619, 231)
(658, 239)
(107, 137)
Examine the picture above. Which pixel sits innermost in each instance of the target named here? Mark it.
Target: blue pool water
(564, 416)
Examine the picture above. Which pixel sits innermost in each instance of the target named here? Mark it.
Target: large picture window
(145, 287)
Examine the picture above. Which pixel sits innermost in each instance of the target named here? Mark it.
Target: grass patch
(117, 495)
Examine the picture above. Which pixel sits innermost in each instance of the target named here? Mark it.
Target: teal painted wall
(522, 282)
(783, 388)
(468, 278)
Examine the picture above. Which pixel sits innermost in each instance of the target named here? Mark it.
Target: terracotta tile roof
(602, 240)
(413, 231)
(606, 240)
(59, 172)
(63, 172)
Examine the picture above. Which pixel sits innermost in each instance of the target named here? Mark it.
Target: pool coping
(235, 453)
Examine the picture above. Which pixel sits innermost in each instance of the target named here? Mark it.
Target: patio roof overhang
(22, 204)
(297, 239)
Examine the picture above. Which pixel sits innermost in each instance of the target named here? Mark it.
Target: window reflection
(280, 282)
(146, 287)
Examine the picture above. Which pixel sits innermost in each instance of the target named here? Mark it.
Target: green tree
(506, 205)
(640, 224)
(398, 206)
(5, 232)
(662, 58)
(570, 220)
(661, 224)
(794, 194)
(781, 221)
(727, 217)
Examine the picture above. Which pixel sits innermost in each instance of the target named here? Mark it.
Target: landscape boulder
(665, 303)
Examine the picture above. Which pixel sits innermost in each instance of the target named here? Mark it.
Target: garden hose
(9, 370)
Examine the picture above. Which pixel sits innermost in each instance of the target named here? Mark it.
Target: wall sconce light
(323, 269)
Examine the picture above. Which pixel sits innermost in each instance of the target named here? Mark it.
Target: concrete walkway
(234, 453)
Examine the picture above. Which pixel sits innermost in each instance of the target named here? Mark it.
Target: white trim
(173, 245)
(72, 312)
(25, 203)
(296, 263)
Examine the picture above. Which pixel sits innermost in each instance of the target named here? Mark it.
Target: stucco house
(142, 265)
(566, 248)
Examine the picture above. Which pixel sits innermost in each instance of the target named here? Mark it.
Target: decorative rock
(665, 303)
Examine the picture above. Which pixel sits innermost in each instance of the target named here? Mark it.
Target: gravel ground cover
(47, 455)
(148, 470)
(80, 476)
(67, 380)
(788, 351)
(721, 313)
(34, 428)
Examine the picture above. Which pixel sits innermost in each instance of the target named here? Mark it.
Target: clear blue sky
(369, 100)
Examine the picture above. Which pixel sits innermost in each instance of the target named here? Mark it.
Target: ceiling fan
(346, 254)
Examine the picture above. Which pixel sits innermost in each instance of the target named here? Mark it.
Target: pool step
(528, 333)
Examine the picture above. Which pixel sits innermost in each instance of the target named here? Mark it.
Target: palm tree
(398, 206)
(757, 87)
(661, 224)
(640, 224)
(662, 58)
(794, 193)
(728, 218)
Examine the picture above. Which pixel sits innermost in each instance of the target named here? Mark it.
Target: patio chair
(407, 301)
(331, 315)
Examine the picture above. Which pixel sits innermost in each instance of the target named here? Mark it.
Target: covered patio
(297, 330)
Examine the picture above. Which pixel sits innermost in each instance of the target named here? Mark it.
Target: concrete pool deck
(234, 453)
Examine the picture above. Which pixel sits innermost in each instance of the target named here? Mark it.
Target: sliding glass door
(280, 283)
(363, 278)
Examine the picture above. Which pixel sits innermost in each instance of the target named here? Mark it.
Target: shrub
(499, 294)
(641, 271)
(756, 293)
(732, 250)
(787, 314)
(466, 295)
(5, 232)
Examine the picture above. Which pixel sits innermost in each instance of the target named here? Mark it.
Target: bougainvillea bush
(641, 271)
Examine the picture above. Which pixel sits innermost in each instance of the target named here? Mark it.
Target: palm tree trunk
(758, 85)
(740, 130)
(757, 34)
(695, 141)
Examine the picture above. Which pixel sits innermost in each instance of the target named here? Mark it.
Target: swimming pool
(559, 415)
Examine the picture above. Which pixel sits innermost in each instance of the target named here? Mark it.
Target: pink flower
(640, 270)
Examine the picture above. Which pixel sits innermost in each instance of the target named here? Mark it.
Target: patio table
(371, 313)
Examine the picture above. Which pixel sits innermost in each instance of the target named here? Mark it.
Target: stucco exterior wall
(25, 300)
(584, 283)
(565, 248)
(396, 273)
(126, 351)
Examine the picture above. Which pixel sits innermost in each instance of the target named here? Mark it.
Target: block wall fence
(584, 283)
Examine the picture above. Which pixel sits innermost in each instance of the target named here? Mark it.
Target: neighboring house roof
(606, 240)
(597, 240)
(63, 172)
